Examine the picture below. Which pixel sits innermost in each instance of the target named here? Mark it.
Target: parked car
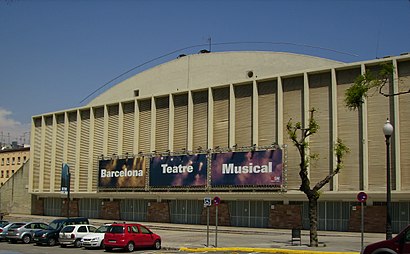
(50, 235)
(130, 235)
(96, 239)
(3, 223)
(400, 244)
(3, 233)
(72, 234)
(24, 232)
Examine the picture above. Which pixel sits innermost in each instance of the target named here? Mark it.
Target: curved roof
(205, 70)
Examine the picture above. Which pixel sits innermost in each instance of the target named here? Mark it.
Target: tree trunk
(314, 242)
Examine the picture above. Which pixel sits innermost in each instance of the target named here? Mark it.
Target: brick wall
(74, 212)
(285, 216)
(158, 212)
(110, 210)
(224, 217)
(374, 219)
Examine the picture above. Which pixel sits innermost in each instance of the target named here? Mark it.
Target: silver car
(4, 230)
(72, 234)
(24, 231)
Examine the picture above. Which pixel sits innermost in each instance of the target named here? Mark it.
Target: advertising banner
(178, 171)
(65, 178)
(256, 168)
(122, 173)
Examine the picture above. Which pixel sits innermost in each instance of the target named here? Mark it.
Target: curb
(263, 250)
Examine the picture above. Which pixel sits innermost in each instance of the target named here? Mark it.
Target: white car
(96, 239)
(72, 234)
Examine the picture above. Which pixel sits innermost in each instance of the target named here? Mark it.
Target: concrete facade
(233, 101)
(14, 195)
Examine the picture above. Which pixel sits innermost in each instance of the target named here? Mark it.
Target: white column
(365, 144)
(334, 127)
(231, 110)
(396, 125)
(255, 115)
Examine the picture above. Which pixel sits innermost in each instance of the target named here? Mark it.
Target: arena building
(154, 146)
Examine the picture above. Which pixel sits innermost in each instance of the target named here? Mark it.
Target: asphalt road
(20, 248)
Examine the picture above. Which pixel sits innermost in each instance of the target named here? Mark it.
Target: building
(11, 160)
(149, 148)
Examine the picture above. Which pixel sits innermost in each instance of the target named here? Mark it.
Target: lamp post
(388, 131)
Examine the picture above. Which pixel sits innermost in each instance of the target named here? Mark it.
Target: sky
(60, 54)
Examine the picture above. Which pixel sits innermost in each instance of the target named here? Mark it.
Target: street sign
(207, 202)
(217, 200)
(362, 196)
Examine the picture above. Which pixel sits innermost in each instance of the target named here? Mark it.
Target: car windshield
(116, 229)
(68, 229)
(54, 225)
(102, 229)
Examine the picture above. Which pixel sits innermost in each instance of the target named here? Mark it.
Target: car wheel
(130, 247)
(51, 242)
(77, 243)
(157, 245)
(63, 245)
(102, 244)
(108, 248)
(26, 239)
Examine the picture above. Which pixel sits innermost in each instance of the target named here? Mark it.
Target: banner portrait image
(178, 171)
(65, 178)
(247, 168)
(122, 173)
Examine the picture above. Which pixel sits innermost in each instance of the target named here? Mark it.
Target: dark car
(24, 232)
(50, 236)
(128, 236)
(400, 244)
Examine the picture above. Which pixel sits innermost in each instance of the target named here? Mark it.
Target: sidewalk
(194, 238)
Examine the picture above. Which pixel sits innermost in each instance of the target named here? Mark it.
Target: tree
(370, 80)
(302, 144)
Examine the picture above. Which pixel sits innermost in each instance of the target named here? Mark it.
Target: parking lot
(176, 236)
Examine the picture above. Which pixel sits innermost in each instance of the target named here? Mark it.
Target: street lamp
(388, 131)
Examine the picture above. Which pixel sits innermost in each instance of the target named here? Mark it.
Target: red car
(400, 244)
(128, 236)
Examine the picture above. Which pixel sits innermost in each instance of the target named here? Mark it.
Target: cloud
(12, 130)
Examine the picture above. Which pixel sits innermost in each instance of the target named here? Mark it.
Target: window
(7, 174)
(8, 161)
(18, 160)
(12, 172)
(13, 160)
(24, 158)
(2, 161)
(82, 229)
(2, 174)
(144, 230)
(135, 229)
